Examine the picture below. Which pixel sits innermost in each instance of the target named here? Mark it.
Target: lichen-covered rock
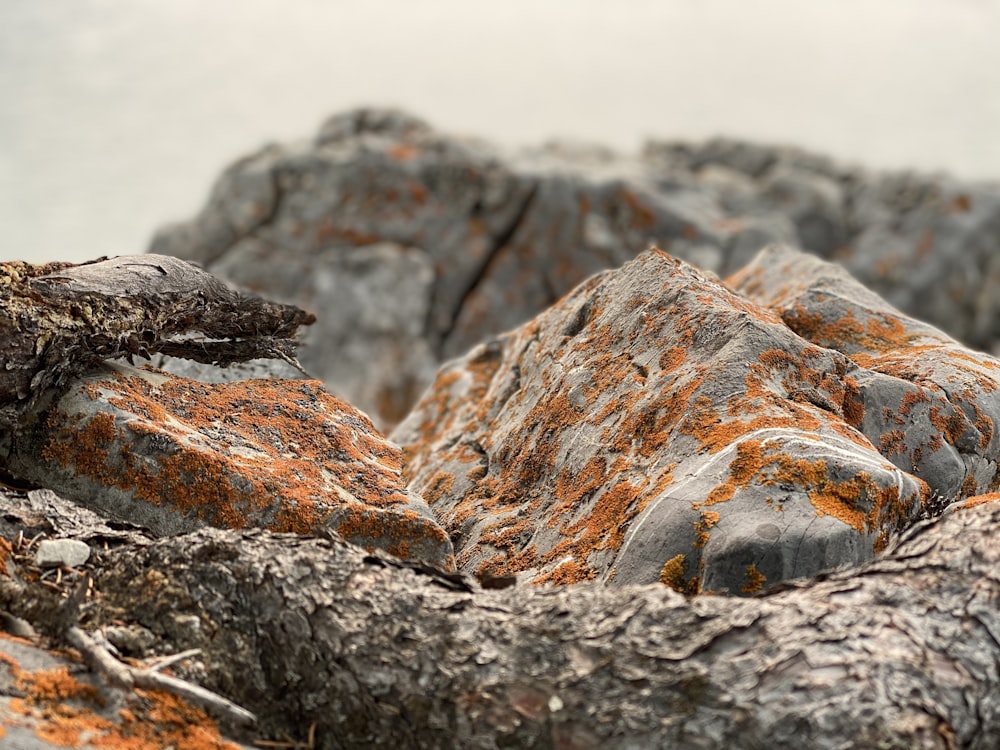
(50, 701)
(930, 403)
(654, 425)
(929, 244)
(171, 454)
(412, 246)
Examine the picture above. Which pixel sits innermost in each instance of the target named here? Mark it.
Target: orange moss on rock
(703, 526)
(69, 713)
(972, 502)
(639, 368)
(755, 580)
(883, 332)
(672, 573)
(277, 454)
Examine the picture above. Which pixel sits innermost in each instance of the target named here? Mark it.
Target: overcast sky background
(117, 115)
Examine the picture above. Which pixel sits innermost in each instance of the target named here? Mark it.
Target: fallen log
(901, 652)
(59, 319)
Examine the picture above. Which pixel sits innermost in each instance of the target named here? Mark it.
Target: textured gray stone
(653, 425)
(412, 246)
(172, 454)
(53, 553)
(930, 404)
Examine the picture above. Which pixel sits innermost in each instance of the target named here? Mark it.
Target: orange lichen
(972, 502)
(721, 493)
(970, 488)
(64, 712)
(951, 426)
(326, 435)
(883, 332)
(568, 572)
(892, 442)
(672, 573)
(703, 526)
(755, 580)
(276, 454)
(395, 530)
(911, 399)
(441, 483)
(622, 390)
(672, 358)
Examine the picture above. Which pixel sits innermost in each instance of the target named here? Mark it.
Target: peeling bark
(903, 652)
(58, 319)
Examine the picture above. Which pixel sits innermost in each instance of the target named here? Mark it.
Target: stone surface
(930, 403)
(170, 454)
(254, 369)
(654, 425)
(52, 553)
(49, 700)
(412, 246)
(929, 244)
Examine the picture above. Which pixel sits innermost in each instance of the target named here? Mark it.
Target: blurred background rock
(117, 115)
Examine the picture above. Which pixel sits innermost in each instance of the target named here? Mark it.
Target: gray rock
(53, 553)
(930, 403)
(653, 425)
(172, 454)
(412, 246)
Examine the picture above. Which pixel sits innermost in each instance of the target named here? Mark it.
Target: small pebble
(52, 553)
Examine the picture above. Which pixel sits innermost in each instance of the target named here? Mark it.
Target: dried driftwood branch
(56, 320)
(903, 652)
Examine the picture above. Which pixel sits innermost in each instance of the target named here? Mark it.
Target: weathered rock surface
(171, 454)
(413, 246)
(50, 700)
(930, 404)
(53, 553)
(654, 425)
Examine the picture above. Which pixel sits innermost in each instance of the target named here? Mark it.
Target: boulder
(49, 700)
(929, 244)
(412, 246)
(654, 425)
(171, 454)
(930, 404)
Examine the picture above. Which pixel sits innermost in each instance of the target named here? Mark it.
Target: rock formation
(653, 425)
(412, 246)
(764, 509)
(172, 454)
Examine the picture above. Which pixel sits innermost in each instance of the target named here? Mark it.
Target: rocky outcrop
(929, 244)
(930, 404)
(412, 246)
(653, 425)
(172, 454)
(50, 701)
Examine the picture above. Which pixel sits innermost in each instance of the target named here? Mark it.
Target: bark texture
(59, 319)
(903, 652)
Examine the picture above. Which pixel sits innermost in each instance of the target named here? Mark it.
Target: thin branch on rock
(57, 320)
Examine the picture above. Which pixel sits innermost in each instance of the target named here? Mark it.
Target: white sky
(116, 115)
